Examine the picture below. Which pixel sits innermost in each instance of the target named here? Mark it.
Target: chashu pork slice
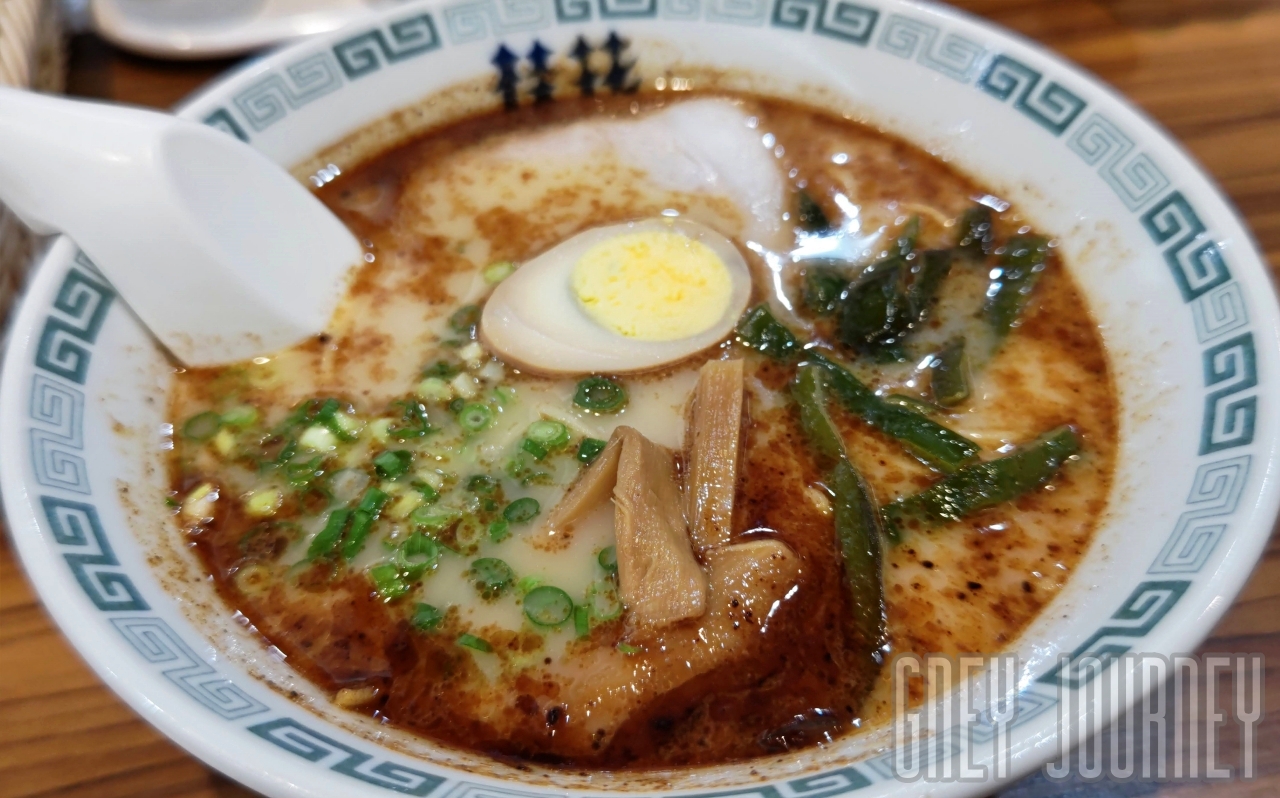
(599, 690)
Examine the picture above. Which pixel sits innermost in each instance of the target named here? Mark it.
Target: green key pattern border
(1196, 263)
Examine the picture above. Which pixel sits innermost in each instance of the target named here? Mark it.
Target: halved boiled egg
(617, 299)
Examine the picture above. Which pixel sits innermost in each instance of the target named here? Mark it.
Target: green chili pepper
(473, 642)
(589, 449)
(522, 511)
(1020, 269)
(426, 617)
(984, 485)
(974, 232)
(323, 544)
(475, 417)
(810, 214)
(857, 520)
(759, 330)
(949, 374)
(600, 394)
(823, 286)
(202, 426)
(547, 606)
(923, 437)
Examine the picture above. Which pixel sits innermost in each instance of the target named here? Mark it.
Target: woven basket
(31, 55)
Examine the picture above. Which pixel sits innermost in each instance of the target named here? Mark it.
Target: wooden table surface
(1209, 70)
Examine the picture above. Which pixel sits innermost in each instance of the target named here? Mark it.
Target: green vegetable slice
(388, 581)
(608, 559)
(362, 519)
(465, 319)
(600, 394)
(392, 463)
(551, 434)
(499, 530)
(426, 617)
(492, 575)
(537, 450)
(240, 416)
(949, 374)
(874, 309)
(759, 330)
(857, 520)
(581, 620)
(202, 426)
(417, 555)
(1020, 269)
(603, 601)
(589, 449)
(823, 286)
(922, 436)
(522, 511)
(548, 606)
(435, 518)
(475, 417)
(471, 641)
(629, 650)
(984, 485)
(483, 484)
(497, 272)
(323, 544)
(810, 214)
(974, 232)
(912, 403)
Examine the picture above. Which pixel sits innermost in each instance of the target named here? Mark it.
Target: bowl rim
(1251, 539)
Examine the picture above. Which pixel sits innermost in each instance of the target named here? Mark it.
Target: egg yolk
(653, 285)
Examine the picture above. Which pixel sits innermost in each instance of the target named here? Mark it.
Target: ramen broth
(429, 608)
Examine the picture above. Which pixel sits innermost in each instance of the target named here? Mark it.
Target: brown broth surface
(969, 586)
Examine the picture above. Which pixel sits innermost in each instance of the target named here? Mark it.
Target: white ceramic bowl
(1185, 305)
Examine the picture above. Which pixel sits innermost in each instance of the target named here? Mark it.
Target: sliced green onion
(417, 555)
(548, 606)
(551, 434)
(482, 484)
(600, 394)
(392, 463)
(534, 448)
(492, 575)
(426, 617)
(581, 620)
(912, 403)
(590, 449)
(479, 644)
(499, 530)
(240, 416)
(465, 319)
(388, 581)
(362, 521)
(630, 650)
(608, 559)
(324, 543)
(522, 511)
(441, 369)
(202, 426)
(435, 518)
(603, 601)
(475, 417)
(497, 272)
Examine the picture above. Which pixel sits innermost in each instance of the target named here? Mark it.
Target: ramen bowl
(1182, 298)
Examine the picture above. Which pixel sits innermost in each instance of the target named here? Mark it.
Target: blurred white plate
(191, 29)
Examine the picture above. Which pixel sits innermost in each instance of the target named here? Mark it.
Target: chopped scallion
(426, 617)
(522, 511)
(548, 606)
(393, 462)
(551, 434)
(600, 394)
(475, 417)
(589, 449)
(202, 426)
(473, 642)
